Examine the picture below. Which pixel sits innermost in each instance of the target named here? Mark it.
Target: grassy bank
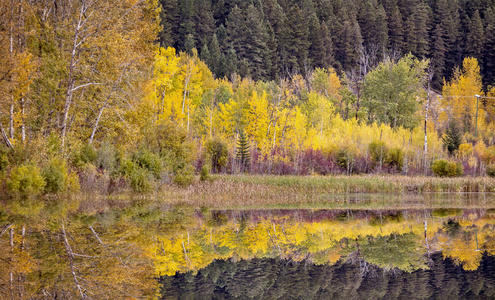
(369, 183)
(238, 191)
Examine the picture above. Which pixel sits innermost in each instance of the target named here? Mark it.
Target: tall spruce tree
(257, 53)
(237, 31)
(215, 56)
(452, 137)
(297, 43)
(396, 30)
(186, 24)
(169, 21)
(488, 53)
(203, 21)
(438, 54)
(475, 38)
(242, 155)
(421, 17)
(328, 59)
(316, 47)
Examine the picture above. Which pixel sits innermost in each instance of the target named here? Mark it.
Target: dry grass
(248, 191)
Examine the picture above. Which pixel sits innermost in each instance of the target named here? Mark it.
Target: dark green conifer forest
(272, 39)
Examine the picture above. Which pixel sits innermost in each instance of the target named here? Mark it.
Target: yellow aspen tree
(459, 100)
(319, 112)
(295, 134)
(165, 67)
(257, 121)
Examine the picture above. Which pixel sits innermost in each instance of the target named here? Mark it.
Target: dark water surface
(140, 249)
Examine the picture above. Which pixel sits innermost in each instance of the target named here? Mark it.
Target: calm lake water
(125, 249)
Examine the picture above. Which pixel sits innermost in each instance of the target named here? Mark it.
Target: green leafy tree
(392, 90)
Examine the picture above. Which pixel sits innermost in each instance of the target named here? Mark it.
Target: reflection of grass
(445, 212)
(249, 191)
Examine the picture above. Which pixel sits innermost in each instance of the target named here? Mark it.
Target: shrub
(86, 155)
(55, 175)
(184, 176)
(141, 180)
(395, 157)
(4, 159)
(217, 154)
(204, 174)
(73, 184)
(490, 170)
(170, 141)
(445, 168)
(25, 180)
(149, 161)
(488, 155)
(106, 158)
(378, 150)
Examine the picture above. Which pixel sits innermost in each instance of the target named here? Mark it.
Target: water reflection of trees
(112, 249)
(59, 252)
(270, 278)
(391, 240)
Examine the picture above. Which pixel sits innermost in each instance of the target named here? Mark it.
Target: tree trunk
(5, 137)
(70, 256)
(23, 125)
(11, 119)
(70, 81)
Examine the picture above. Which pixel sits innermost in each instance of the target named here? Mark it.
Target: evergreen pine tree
(215, 56)
(231, 62)
(352, 43)
(488, 53)
(297, 43)
(169, 21)
(447, 20)
(273, 59)
(257, 53)
(189, 44)
(205, 55)
(396, 30)
(203, 21)
(222, 37)
(410, 36)
(237, 31)
(186, 25)
(242, 155)
(316, 48)
(452, 138)
(438, 57)
(421, 17)
(373, 25)
(328, 59)
(475, 39)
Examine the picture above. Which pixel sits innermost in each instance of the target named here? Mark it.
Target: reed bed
(250, 191)
(370, 183)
